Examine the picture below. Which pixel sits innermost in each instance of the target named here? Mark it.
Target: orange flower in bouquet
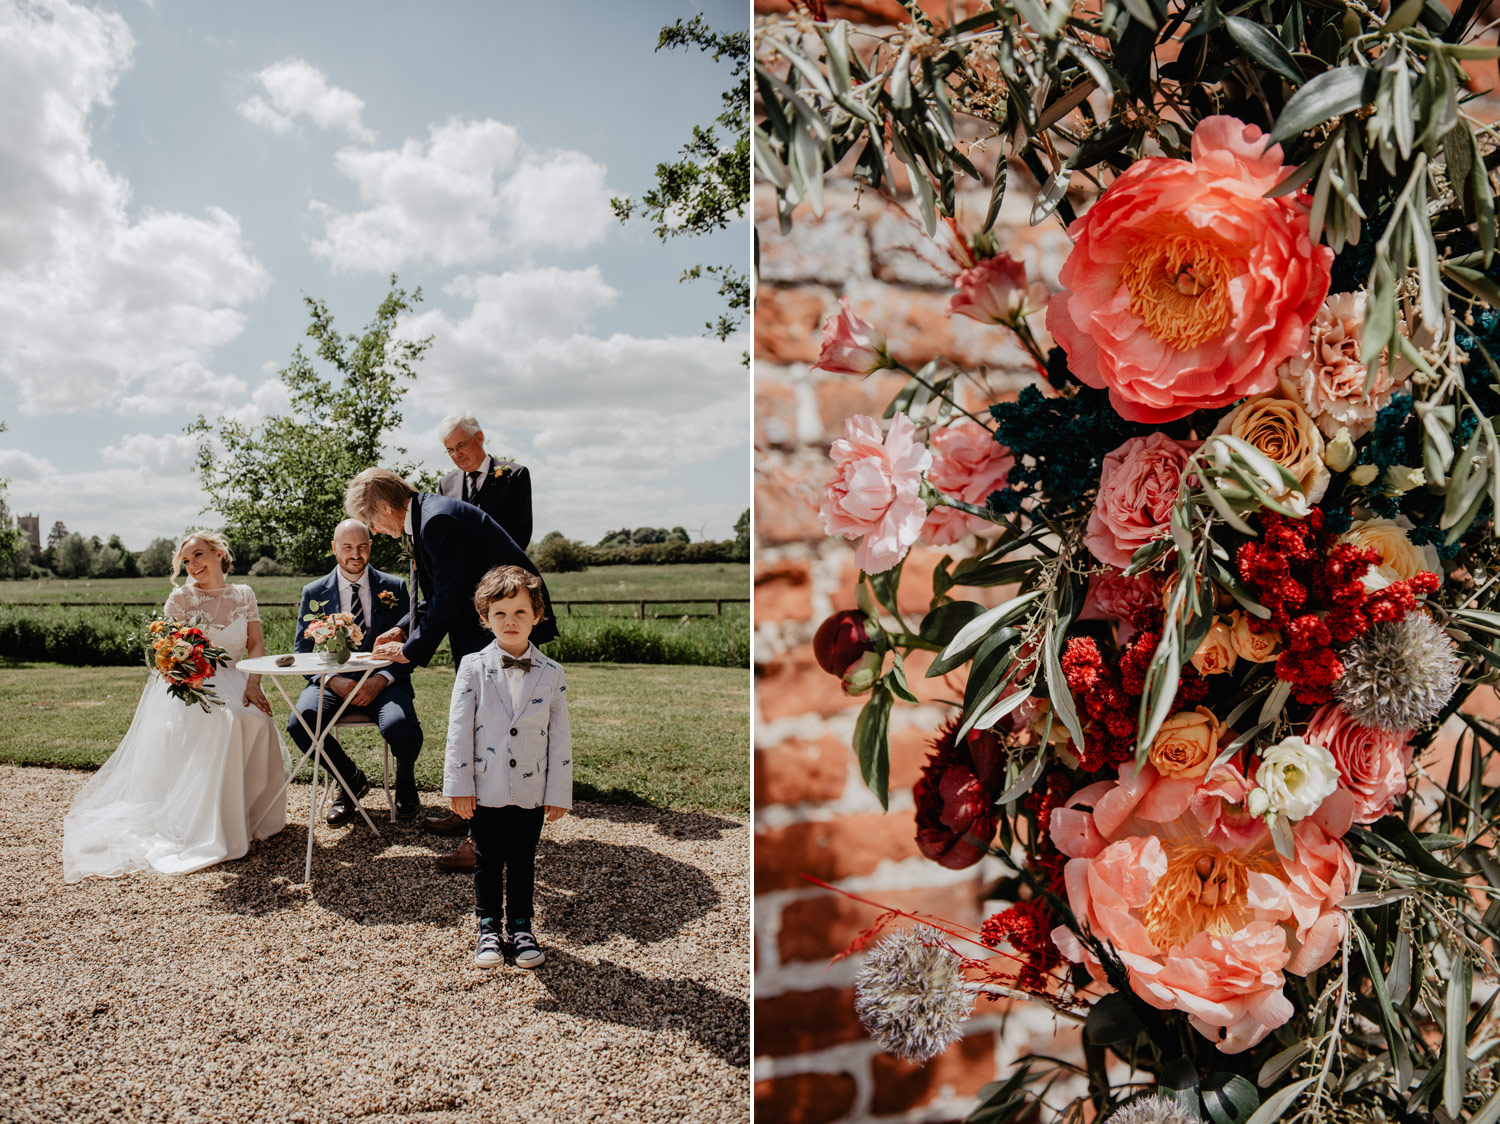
(182, 654)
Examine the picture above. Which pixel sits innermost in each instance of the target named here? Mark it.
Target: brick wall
(813, 814)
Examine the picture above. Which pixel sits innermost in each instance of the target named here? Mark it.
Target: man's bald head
(351, 546)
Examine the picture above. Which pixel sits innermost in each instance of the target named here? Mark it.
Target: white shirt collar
(531, 652)
(345, 579)
(408, 516)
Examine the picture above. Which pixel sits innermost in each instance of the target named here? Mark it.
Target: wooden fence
(640, 604)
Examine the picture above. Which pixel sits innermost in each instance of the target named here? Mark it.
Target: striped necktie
(356, 609)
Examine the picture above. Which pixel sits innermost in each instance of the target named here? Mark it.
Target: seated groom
(377, 601)
(452, 545)
(499, 488)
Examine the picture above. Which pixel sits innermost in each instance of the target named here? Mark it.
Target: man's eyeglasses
(464, 444)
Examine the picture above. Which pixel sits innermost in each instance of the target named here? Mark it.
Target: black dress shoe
(408, 803)
(343, 809)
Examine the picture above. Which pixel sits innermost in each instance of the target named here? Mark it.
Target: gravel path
(236, 995)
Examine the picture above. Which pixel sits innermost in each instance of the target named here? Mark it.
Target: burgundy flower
(841, 640)
(955, 797)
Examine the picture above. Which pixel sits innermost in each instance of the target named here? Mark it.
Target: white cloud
(17, 464)
(99, 308)
(156, 453)
(294, 88)
(467, 194)
(615, 424)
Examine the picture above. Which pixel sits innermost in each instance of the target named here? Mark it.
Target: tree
(109, 562)
(128, 566)
(557, 554)
(156, 560)
(74, 557)
(56, 535)
(677, 534)
(281, 483)
(709, 186)
(742, 537)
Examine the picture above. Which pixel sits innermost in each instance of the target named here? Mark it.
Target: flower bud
(861, 675)
(1257, 802)
(841, 641)
(1399, 478)
(1364, 475)
(1339, 453)
(852, 346)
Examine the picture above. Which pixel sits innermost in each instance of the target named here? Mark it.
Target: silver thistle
(911, 995)
(1398, 676)
(1152, 1109)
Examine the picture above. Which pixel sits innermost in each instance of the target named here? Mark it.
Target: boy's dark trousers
(505, 841)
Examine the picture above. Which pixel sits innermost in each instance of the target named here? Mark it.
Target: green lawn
(665, 735)
(701, 579)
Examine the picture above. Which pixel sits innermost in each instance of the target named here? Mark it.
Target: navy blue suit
(394, 709)
(455, 544)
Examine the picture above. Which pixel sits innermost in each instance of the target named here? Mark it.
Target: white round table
(303, 664)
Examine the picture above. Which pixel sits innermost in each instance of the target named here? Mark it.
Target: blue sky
(174, 177)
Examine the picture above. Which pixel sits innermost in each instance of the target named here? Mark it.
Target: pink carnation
(994, 291)
(851, 346)
(967, 464)
(1137, 488)
(1130, 602)
(1327, 375)
(1372, 763)
(875, 493)
(1186, 286)
(1201, 927)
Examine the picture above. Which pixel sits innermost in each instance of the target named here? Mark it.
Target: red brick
(909, 750)
(786, 508)
(961, 1070)
(798, 1022)
(804, 1098)
(795, 684)
(798, 771)
(840, 397)
(783, 591)
(915, 594)
(830, 849)
(789, 323)
(817, 928)
(775, 414)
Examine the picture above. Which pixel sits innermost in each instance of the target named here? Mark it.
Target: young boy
(509, 757)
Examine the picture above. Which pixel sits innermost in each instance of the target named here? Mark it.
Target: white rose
(1400, 558)
(1296, 777)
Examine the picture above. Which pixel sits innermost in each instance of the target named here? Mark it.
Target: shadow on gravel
(609, 992)
(586, 890)
(674, 825)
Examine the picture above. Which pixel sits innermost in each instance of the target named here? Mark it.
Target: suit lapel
(528, 685)
(502, 683)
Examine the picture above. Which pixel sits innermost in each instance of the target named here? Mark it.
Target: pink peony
(994, 291)
(967, 464)
(1133, 603)
(1186, 286)
(851, 346)
(1137, 488)
(1201, 927)
(1372, 763)
(1327, 375)
(875, 493)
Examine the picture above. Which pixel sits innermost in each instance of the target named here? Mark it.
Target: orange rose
(1216, 655)
(1257, 647)
(1186, 744)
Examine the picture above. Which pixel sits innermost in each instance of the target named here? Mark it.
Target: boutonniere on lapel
(387, 598)
(502, 466)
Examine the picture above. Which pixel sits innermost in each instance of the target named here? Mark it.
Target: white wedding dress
(185, 789)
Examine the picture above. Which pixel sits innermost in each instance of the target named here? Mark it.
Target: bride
(185, 789)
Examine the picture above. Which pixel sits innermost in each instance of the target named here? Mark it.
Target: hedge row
(103, 637)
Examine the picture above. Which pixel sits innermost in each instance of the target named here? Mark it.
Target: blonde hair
(214, 541)
(373, 490)
(507, 581)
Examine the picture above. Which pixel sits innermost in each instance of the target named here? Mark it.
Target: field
(664, 736)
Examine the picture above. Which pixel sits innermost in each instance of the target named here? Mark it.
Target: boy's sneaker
(528, 953)
(488, 954)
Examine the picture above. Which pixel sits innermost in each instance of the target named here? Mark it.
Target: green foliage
(559, 555)
(742, 537)
(156, 560)
(281, 483)
(267, 567)
(709, 186)
(73, 557)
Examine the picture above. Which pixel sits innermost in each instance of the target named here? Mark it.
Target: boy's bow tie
(524, 663)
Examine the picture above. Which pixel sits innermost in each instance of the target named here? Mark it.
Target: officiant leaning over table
(451, 545)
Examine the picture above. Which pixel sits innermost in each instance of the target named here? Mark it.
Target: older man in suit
(499, 488)
(452, 545)
(377, 601)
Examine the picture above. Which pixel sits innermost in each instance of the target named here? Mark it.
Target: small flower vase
(331, 655)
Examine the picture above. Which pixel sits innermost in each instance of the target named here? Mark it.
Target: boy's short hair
(507, 581)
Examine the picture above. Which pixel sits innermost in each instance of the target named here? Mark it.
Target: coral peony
(1372, 763)
(875, 493)
(1187, 286)
(967, 464)
(1137, 487)
(851, 346)
(1201, 927)
(994, 291)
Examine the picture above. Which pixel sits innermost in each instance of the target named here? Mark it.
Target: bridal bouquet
(334, 633)
(181, 653)
(1218, 577)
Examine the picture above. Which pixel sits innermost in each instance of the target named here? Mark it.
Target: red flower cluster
(1312, 583)
(1110, 697)
(955, 796)
(1027, 926)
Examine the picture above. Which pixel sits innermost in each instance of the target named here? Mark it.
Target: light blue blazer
(502, 758)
